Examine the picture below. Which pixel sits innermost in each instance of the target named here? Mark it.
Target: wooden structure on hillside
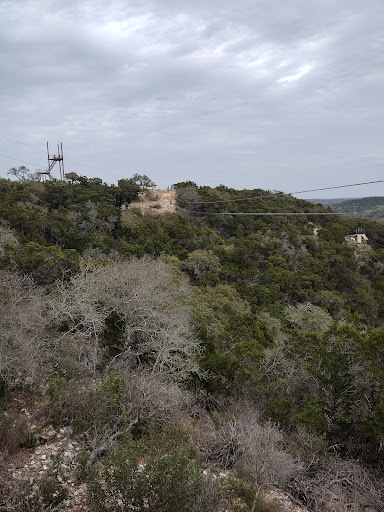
(359, 237)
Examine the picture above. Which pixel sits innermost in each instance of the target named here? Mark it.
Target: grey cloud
(257, 93)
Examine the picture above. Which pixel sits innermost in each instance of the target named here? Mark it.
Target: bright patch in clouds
(122, 27)
(303, 70)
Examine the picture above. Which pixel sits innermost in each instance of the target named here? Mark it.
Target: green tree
(203, 266)
(167, 480)
(143, 181)
(47, 264)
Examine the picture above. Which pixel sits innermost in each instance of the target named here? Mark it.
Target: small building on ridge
(357, 238)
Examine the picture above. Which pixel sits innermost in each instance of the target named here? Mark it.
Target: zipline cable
(18, 160)
(277, 194)
(377, 243)
(264, 213)
(23, 143)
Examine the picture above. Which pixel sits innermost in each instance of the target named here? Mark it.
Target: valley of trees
(182, 345)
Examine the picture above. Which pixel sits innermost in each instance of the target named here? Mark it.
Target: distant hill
(369, 207)
(329, 201)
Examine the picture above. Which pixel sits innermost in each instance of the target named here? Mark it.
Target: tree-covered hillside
(192, 343)
(365, 207)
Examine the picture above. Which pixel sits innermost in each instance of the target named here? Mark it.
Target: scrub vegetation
(186, 345)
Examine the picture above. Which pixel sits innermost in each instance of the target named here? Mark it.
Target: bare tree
(243, 436)
(23, 318)
(141, 302)
(141, 398)
(23, 174)
(336, 485)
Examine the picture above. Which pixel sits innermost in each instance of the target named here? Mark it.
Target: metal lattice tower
(47, 174)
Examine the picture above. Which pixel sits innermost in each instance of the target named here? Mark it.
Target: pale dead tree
(147, 397)
(290, 250)
(274, 328)
(23, 319)
(243, 436)
(92, 222)
(23, 174)
(284, 377)
(331, 484)
(143, 398)
(111, 406)
(309, 318)
(143, 303)
(244, 439)
(339, 486)
(263, 448)
(132, 316)
(379, 267)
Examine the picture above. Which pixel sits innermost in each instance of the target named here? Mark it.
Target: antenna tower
(46, 174)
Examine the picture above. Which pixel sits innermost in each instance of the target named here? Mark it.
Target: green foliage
(283, 309)
(113, 336)
(240, 492)
(332, 302)
(91, 410)
(134, 478)
(233, 338)
(47, 264)
(55, 392)
(30, 441)
(128, 190)
(143, 181)
(203, 266)
(9, 245)
(78, 215)
(367, 207)
(52, 492)
(313, 415)
(326, 386)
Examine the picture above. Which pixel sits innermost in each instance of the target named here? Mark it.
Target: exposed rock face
(158, 201)
(55, 456)
(283, 500)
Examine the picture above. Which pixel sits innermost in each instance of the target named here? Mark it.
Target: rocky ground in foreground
(50, 474)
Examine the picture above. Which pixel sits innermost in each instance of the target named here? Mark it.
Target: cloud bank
(271, 94)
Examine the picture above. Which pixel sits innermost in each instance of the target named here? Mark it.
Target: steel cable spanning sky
(277, 194)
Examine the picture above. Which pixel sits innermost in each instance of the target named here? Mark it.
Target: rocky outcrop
(56, 458)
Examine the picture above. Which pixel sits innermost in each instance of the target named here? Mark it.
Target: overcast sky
(277, 94)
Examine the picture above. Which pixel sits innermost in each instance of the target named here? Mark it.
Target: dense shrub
(134, 478)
